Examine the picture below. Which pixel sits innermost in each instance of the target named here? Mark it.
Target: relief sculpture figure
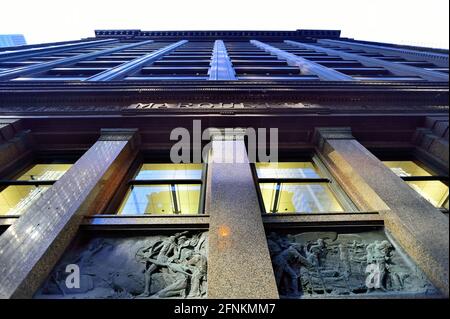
(152, 266)
(378, 256)
(327, 264)
(162, 250)
(180, 258)
(286, 267)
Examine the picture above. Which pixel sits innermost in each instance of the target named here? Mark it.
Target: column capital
(331, 133)
(118, 134)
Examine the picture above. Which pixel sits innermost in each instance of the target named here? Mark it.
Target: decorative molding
(218, 34)
(122, 92)
(224, 108)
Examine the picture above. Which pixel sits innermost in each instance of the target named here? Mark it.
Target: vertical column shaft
(417, 225)
(306, 66)
(239, 264)
(119, 72)
(40, 67)
(439, 59)
(51, 48)
(33, 244)
(396, 68)
(221, 67)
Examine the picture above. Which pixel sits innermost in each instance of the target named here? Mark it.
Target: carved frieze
(156, 266)
(334, 264)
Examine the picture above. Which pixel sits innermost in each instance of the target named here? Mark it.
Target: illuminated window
(298, 187)
(18, 194)
(432, 187)
(164, 189)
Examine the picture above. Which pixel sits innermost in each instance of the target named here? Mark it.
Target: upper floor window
(164, 189)
(423, 180)
(20, 192)
(299, 187)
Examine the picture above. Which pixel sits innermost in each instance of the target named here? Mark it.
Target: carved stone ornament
(331, 264)
(158, 266)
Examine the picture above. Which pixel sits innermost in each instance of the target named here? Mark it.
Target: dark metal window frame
(12, 180)
(341, 197)
(438, 178)
(437, 174)
(172, 184)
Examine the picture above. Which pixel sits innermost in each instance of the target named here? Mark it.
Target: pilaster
(30, 247)
(421, 229)
(239, 264)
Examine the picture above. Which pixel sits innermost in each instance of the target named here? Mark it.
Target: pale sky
(423, 23)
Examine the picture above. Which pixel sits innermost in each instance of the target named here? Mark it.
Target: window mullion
(305, 180)
(164, 181)
(277, 198)
(173, 190)
(441, 178)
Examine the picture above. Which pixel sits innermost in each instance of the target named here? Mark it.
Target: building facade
(11, 40)
(223, 164)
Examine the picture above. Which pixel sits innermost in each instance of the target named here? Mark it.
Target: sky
(422, 23)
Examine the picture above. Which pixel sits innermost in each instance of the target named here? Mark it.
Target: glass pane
(45, 172)
(406, 168)
(300, 198)
(14, 200)
(169, 171)
(287, 170)
(435, 192)
(161, 199)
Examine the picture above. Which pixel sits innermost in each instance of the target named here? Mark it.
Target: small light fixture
(224, 231)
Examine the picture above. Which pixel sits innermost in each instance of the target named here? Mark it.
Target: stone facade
(108, 113)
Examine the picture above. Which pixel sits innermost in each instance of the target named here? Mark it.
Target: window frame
(435, 174)
(347, 205)
(131, 181)
(12, 179)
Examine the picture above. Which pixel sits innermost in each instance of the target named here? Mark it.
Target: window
(17, 194)
(431, 186)
(163, 189)
(298, 187)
